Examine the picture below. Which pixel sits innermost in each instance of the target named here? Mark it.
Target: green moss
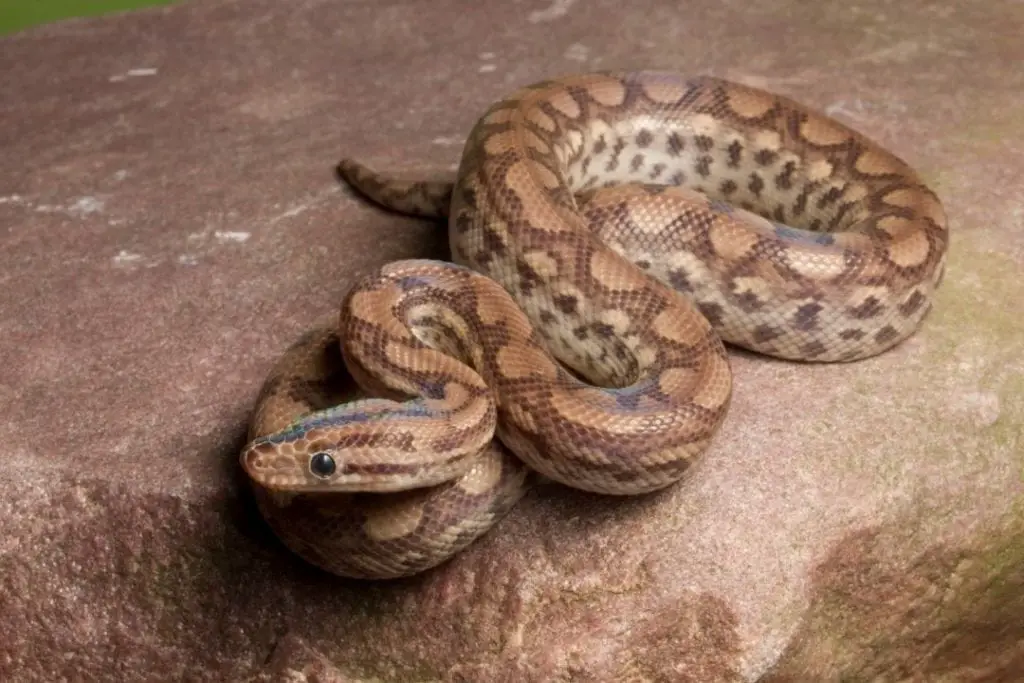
(19, 14)
(875, 618)
(971, 350)
(976, 304)
(1000, 125)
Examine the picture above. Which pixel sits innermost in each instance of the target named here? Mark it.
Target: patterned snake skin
(609, 231)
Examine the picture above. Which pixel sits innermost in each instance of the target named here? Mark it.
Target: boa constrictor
(608, 231)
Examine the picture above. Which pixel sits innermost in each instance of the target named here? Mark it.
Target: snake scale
(608, 232)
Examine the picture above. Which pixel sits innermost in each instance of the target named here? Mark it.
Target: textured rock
(170, 222)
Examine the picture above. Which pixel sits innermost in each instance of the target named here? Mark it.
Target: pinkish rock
(170, 223)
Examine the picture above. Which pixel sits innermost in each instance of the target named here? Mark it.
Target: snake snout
(281, 466)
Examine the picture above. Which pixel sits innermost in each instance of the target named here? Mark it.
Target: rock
(170, 223)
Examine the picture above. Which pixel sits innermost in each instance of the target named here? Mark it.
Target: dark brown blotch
(644, 138)
(800, 205)
(529, 279)
(469, 197)
(765, 157)
(813, 349)
(806, 317)
(756, 184)
(676, 144)
(913, 304)
(712, 311)
(840, 214)
(766, 333)
(749, 301)
(492, 246)
(679, 279)
(784, 180)
(886, 334)
(705, 143)
(830, 197)
(869, 308)
(703, 165)
(735, 154)
(566, 303)
(613, 163)
(463, 223)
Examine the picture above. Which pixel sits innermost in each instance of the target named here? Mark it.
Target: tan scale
(875, 161)
(544, 176)
(565, 104)
(539, 119)
(911, 251)
(534, 141)
(666, 325)
(766, 140)
(606, 91)
(397, 521)
(662, 92)
(822, 133)
(819, 169)
(606, 269)
(704, 124)
(732, 244)
(750, 104)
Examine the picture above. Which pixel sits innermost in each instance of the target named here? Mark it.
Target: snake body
(608, 231)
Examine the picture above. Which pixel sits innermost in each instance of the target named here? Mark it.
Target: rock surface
(170, 223)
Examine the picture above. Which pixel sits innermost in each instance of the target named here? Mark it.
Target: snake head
(295, 466)
(362, 446)
(320, 451)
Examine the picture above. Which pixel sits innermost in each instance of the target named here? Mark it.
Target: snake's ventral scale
(609, 231)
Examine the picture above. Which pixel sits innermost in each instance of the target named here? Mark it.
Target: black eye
(321, 464)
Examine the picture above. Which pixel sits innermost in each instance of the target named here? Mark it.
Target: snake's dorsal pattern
(855, 282)
(633, 218)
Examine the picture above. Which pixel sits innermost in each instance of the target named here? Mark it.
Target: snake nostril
(321, 465)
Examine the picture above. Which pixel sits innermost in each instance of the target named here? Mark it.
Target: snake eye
(321, 465)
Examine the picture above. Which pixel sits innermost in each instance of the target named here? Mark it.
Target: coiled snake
(610, 230)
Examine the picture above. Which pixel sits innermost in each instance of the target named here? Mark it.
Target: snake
(611, 235)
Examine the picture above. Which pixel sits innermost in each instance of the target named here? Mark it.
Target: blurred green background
(17, 14)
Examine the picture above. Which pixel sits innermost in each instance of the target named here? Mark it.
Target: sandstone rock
(170, 223)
